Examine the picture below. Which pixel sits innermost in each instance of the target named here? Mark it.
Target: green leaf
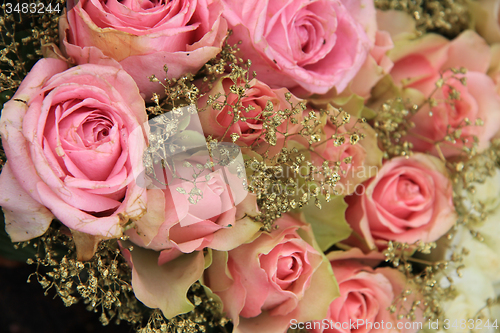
(352, 104)
(328, 223)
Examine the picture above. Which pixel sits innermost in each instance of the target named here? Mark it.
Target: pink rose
(407, 201)
(145, 35)
(212, 222)
(252, 132)
(72, 137)
(197, 197)
(305, 46)
(358, 160)
(365, 296)
(417, 68)
(278, 277)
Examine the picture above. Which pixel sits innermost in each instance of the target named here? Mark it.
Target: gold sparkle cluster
(445, 17)
(103, 283)
(393, 122)
(289, 179)
(22, 36)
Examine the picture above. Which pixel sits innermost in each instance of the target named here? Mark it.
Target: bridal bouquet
(257, 166)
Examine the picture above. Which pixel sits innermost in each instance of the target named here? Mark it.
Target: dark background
(25, 309)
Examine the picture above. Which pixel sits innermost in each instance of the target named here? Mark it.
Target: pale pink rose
(143, 36)
(410, 199)
(72, 138)
(210, 211)
(252, 132)
(306, 46)
(417, 65)
(365, 296)
(278, 277)
(357, 162)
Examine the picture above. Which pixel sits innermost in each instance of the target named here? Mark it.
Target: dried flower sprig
(182, 91)
(448, 17)
(391, 125)
(22, 36)
(393, 121)
(288, 180)
(103, 282)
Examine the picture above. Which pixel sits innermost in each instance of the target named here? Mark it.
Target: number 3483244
(32, 8)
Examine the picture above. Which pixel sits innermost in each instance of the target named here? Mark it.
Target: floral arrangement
(265, 166)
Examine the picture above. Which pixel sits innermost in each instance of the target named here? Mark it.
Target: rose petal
(25, 218)
(165, 287)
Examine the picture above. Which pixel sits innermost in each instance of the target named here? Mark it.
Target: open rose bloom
(409, 200)
(72, 138)
(278, 277)
(306, 46)
(197, 197)
(143, 36)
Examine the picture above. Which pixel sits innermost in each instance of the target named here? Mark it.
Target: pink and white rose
(410, 199)
(143, 36)
(183, 226)
(278, 277)
(72, 138)
(306, 46)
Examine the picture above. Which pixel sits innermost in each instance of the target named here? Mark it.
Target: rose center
(286, 266)
(356, 305)
(102, 134)
(408, 190)
(95, 130)
(303, 34)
